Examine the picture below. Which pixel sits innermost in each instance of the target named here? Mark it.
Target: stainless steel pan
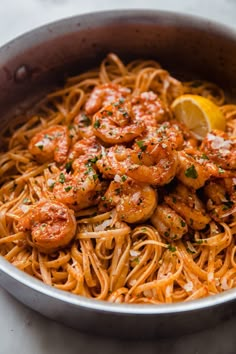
(35, 62)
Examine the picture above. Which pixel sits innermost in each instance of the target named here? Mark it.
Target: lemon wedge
(199, 114)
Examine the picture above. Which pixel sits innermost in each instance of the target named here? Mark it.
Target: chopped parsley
(204, 157)
(124, 178)
(191, 172)
(140, 143)
(68, 166)
(199, 242)
(51, 185)
(85, 120)
(166, 233)
(227, 205)
(62, 178)
(97, 124)
(182, 223)
(92, 160)
(171, 248)
(95, 177)
(68, 188)
(88, 170)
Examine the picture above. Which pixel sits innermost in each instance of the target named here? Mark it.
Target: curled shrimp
(221, 199)
(152, 162)
(78, 189)
(195, 168)
(83, 123)
(52, 225)
(50, 144)
(103, 95)
(134, 202)
(171, 132)
(116, 123)
(220, 148)
(186, 203)
(86, 146)
(168, 223)
(113, 161)
(149, 162)
(148, 108)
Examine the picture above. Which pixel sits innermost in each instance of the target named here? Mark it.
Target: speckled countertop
(23, 331)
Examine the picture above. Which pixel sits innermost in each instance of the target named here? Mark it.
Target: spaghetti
(105, 195)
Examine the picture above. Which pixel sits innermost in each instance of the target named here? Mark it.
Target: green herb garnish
(97, 124)
(62, 178)
(124, 178)
(227, 205)
(85, 120)
(191, 172)
(68, 188)
(204, 157)
(68, 166)
(140, 143)
(171, 248)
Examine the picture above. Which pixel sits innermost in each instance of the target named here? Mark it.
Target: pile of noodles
(108, 259)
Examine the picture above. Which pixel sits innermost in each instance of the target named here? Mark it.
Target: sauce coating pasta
(106, 195)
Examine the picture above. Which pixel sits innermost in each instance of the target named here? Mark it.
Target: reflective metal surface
(39, 60)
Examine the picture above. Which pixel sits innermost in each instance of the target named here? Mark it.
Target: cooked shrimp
(83, 123)
(52, 225)
(116, 123)
(168, 223)
(134, 203)
(148, 108)
(86, 146)
(195, 168)
(113, 161)
(186, 203)
(221, 199)
(171, 132)
(79, 189)
(51, 144)
(220, 148)
(103, 95)
(216, 191)
(152, 162)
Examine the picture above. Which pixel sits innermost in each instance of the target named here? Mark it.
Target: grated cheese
(188, 286)
(134, 253)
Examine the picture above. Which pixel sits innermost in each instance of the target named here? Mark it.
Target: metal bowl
(35, 62)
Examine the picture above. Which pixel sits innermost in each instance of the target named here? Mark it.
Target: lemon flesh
(199, 114)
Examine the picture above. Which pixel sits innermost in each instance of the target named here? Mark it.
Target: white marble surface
(23, 331)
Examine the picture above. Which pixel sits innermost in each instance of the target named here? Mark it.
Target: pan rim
(77, 300)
